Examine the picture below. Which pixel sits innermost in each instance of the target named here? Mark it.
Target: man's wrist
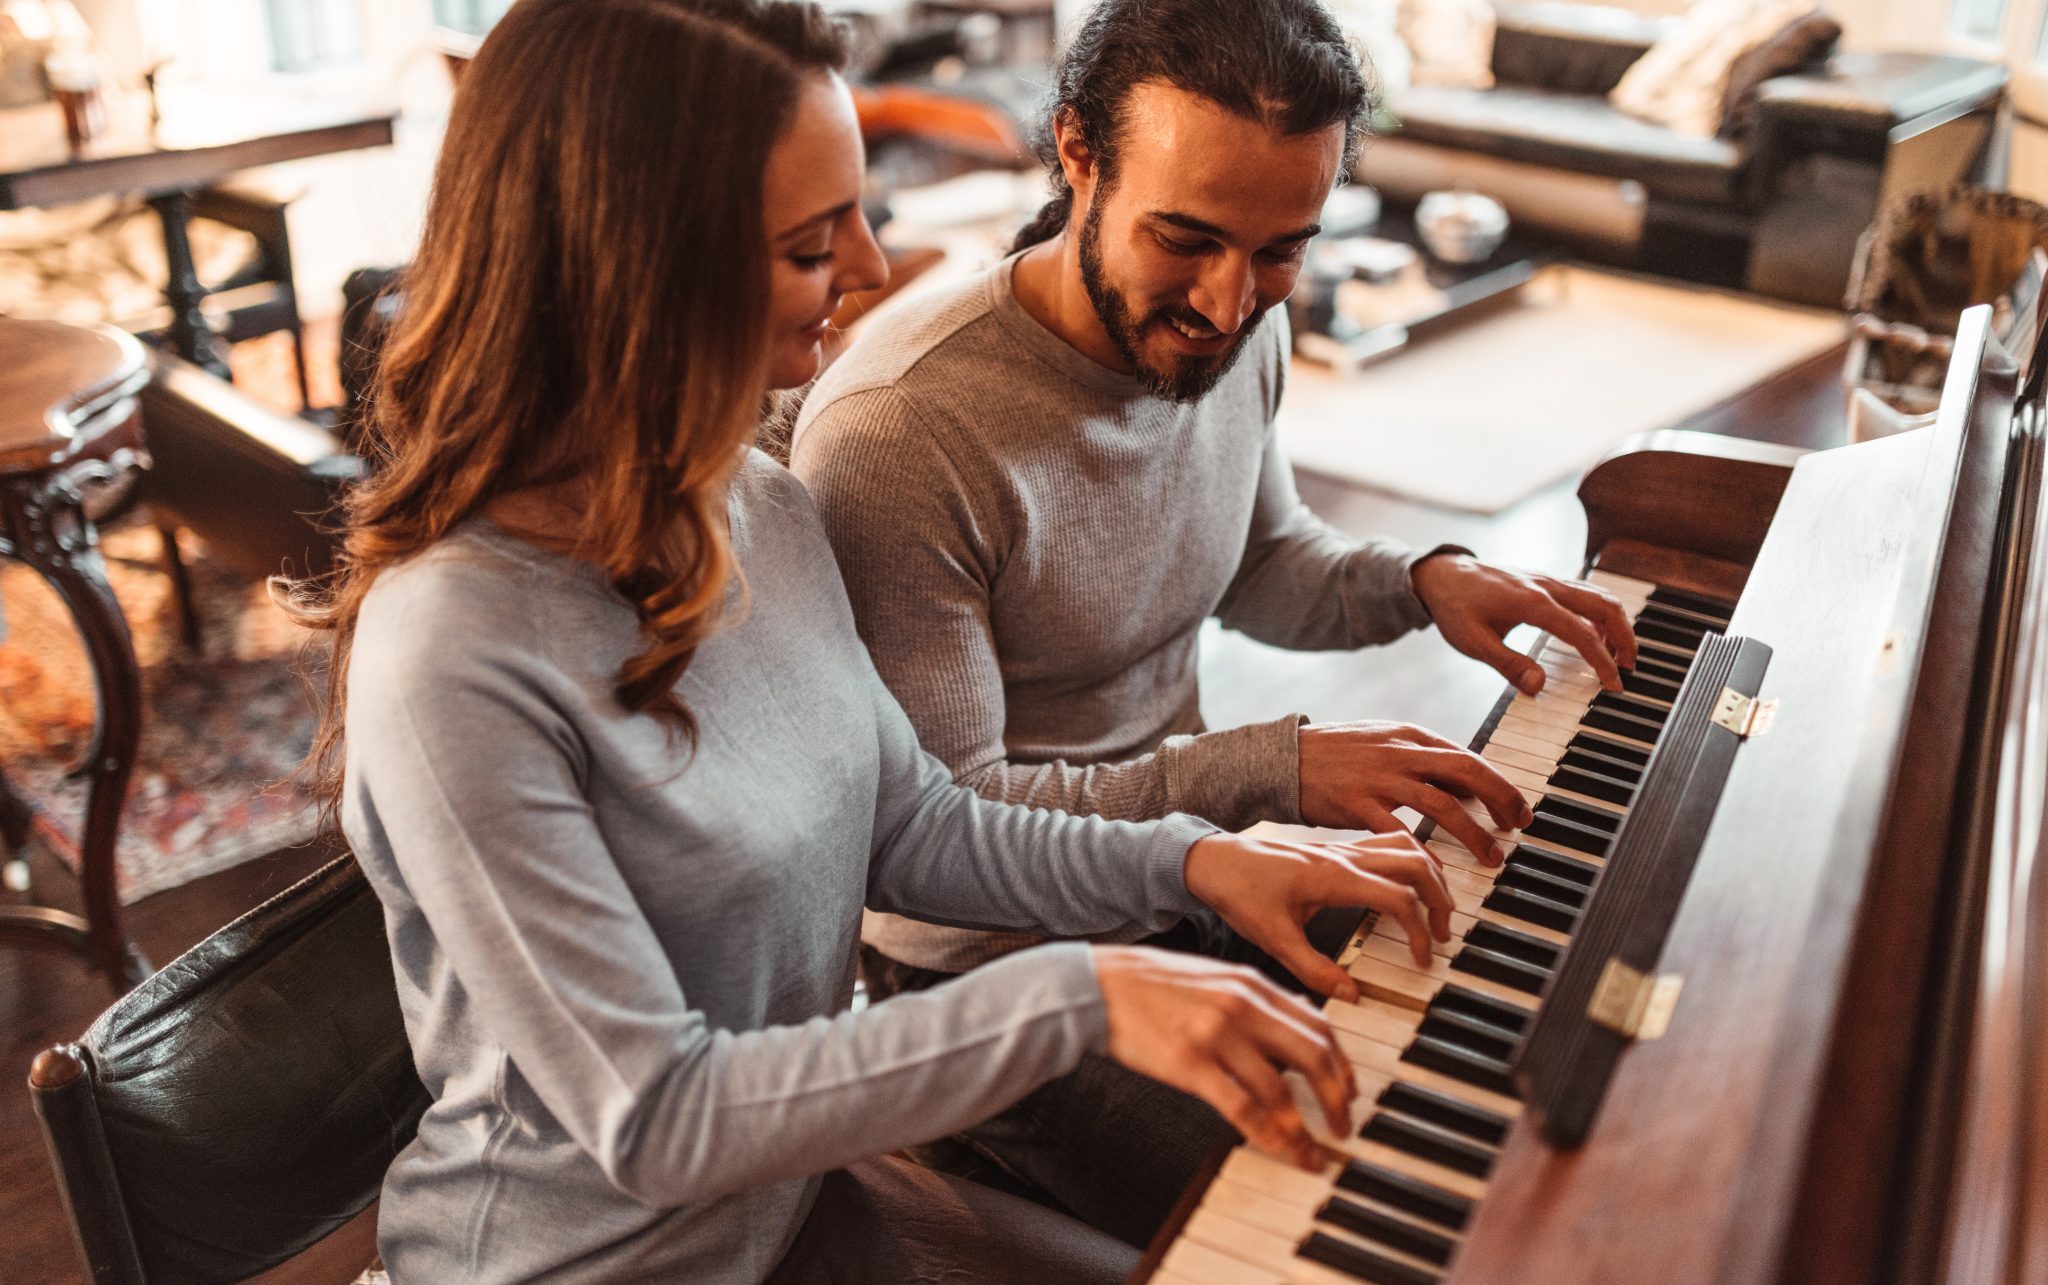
(1415, 565)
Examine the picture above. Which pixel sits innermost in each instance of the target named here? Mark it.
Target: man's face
(1202, 230)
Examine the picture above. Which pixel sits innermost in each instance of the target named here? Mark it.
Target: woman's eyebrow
(832, 215)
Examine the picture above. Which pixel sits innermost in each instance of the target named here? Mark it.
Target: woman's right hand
(1225, 1034)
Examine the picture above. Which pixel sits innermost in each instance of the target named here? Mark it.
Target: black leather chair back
(243, 1102)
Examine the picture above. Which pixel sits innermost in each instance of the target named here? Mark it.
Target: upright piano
(1762, 993)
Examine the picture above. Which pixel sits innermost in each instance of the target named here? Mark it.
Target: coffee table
(1353, 322)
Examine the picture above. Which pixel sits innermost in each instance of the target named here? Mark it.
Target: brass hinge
(1634, 1004)
(1746, 716)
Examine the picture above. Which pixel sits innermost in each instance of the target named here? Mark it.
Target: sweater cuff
(1166, 867)
(1238, 776)
(1068, 969)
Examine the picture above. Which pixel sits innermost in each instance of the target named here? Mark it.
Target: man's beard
(1188, 379)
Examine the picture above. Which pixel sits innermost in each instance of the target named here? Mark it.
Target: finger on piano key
(1462, 919)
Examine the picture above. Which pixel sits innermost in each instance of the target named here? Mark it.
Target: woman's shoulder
(474, 591)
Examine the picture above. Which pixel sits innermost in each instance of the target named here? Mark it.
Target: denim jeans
(1106, 1144)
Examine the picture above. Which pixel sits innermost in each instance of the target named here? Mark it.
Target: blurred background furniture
(1926, 259)
(200, 141)
(1772, 204)
(241, 1104)
(70, 441)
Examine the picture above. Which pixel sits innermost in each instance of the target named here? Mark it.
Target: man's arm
(920, 542)
(1304, 586)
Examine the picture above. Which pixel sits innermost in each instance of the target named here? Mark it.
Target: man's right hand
(1353, 776)
(1224, 1034)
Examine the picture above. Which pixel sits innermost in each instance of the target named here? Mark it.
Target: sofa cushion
(1803, 43)
(1683, 80)
(1576, 132)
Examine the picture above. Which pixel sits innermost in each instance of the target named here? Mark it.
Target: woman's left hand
(1267, 889)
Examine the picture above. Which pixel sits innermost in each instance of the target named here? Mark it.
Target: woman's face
(819, 246)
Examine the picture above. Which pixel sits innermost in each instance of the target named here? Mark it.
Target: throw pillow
(1450, 40)
(1805, 42)
(1682, 81)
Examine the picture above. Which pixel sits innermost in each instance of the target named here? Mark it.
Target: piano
(1761, 995)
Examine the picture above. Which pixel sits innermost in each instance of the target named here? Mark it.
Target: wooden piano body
(1852, 1085)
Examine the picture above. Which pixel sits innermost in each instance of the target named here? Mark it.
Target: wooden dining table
(166, 149)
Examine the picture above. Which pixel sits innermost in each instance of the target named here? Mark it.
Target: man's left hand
(1475, 606)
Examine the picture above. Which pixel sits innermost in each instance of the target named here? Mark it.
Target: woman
(608, 747)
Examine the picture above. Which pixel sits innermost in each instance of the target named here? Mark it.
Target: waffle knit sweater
(1032, 542)
(625, 972)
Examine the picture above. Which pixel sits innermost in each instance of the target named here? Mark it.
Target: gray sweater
(625, 974)
(1032, 542)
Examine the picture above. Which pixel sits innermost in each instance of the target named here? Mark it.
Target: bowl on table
(1461, 227)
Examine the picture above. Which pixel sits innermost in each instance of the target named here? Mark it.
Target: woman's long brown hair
(587, 307)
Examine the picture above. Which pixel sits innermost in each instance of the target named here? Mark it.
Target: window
(473, 17)
(310, 35)
(1978, 20)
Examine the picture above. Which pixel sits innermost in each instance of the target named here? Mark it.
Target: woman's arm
(479, 806)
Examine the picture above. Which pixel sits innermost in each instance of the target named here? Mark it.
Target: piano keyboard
(1431, 1047)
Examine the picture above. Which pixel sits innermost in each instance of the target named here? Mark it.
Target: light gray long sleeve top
(625, 972)
(1032, 542)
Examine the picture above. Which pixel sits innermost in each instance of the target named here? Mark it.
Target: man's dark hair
(1283, 63)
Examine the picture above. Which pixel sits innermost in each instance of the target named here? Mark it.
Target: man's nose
(1226, 294)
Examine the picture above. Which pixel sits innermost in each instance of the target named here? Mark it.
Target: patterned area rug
(223, 730)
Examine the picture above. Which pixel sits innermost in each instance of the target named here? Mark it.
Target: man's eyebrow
(832, 215)
(1206, 228)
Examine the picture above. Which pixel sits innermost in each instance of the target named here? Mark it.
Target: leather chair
(242, 1103)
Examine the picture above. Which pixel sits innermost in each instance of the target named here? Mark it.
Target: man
(1039, 485)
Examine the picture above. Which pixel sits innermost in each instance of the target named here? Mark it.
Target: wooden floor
(46, 999)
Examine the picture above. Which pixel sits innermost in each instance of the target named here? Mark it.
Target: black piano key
(1654, 686)
(1600, 763)
(1555, 864)
(1569, 893)
(1361, 1264)
(1518, 974)
(1460, 1064)
(1506, 1018)
(1605, 747)
(1593, 784)
(1683, 622)
(1569, 834)
(1661, 668)
(1426, 1142)
(1622, 723)
(1712, 608)
(1425, 1200)
(1531, 950)
(1531, 908)
(1592, 816)
(1395, 1233)
(1623, 703)
(1655, 631)
(1463, 1031)
(1447, 1112)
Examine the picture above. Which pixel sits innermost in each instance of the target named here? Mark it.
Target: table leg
(190, 335)
(61, 546)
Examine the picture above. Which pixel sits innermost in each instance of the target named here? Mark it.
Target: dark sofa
(1774, 204)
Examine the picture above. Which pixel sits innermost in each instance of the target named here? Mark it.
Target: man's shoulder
(923, 353)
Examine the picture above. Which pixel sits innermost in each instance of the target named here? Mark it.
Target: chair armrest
(258, 486)
(1876, 93)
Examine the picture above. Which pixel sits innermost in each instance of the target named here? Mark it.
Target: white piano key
(1197, 1262)
(1259, 1249)
(1293, 1224)
(1625, 588)
(1385, 969)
